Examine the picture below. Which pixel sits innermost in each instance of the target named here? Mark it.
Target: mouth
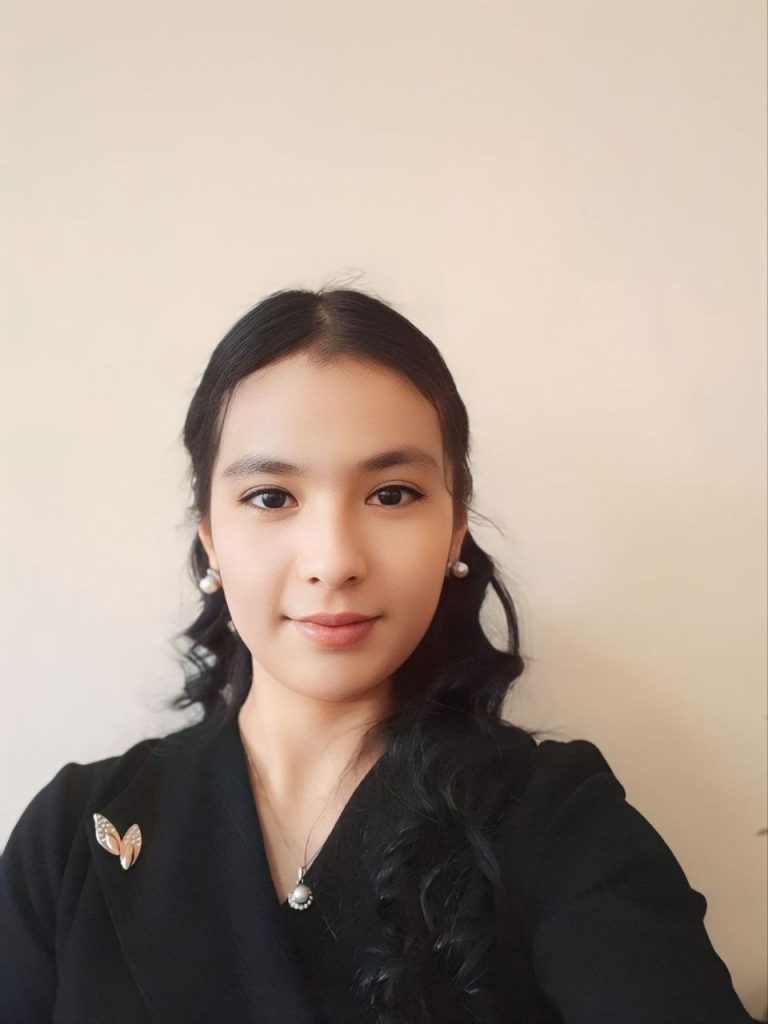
(336, 636)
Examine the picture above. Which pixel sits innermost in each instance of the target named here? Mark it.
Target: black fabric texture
(599, 926)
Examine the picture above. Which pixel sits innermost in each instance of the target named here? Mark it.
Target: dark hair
(438, 880)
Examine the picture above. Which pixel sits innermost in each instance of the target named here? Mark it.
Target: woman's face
(329, 536)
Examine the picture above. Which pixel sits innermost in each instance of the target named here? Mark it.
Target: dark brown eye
(268, 491)
(394, 490)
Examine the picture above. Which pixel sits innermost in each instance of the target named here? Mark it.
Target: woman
(351, 832)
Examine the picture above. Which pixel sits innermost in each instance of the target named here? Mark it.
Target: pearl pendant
(300, 897)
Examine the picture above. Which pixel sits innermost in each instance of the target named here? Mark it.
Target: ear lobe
(456, 543)
(460, 538)
(204, 533)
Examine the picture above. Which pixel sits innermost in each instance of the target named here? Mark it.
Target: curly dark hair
(439, 880)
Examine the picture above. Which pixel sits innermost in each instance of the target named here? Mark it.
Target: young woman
(350, 832)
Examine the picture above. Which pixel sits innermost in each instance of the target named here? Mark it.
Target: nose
(332, 551)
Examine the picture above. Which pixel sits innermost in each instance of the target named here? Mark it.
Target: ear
(206, 539)
(458, 540)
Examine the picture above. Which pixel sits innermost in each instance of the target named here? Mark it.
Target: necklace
(300, 897)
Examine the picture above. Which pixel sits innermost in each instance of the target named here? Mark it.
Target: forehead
(326, 417)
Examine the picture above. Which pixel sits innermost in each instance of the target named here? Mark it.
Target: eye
(246, 500)
(391, 489)
(394, 488)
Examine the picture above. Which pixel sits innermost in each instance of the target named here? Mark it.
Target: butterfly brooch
(127, 849)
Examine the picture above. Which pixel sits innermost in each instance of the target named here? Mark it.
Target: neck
(302, 747)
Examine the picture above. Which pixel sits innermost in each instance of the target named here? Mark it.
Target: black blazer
(601, 925)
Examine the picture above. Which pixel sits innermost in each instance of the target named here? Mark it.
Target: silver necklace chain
(301, 896)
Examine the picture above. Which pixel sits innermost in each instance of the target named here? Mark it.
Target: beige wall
(568, 196)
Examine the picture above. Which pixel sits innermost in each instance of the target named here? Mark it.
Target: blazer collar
(197, 915)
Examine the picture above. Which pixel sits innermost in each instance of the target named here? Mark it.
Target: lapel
(197, 915)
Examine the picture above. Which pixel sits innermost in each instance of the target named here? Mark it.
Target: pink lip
(336, 636)
(335, 618)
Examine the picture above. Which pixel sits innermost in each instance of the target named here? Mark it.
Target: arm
(617, 932)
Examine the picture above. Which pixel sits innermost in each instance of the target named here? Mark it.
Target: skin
(332, 543)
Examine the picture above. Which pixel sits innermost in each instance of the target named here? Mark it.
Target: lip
(335, 619)
(336, 636)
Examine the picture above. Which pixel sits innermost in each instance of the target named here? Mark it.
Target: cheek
(416, 593)
(252, 583)
(417, 558)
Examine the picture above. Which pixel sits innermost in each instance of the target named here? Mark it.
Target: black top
(601, 925)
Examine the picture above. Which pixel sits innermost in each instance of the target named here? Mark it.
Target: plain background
(568, 196)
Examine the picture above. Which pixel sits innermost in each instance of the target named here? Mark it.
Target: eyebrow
(405, 455)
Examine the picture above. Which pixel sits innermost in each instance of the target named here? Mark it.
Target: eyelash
(246, 499)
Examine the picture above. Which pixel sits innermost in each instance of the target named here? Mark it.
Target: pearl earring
(459, 569)
(211, 582)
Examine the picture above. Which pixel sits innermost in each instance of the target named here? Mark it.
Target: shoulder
(614, 929)
(43, 843)
(559, 784)
(559, 771)
(57, 805)
(538, 775)
(569, 830)
(59, 802)
(76, 782)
